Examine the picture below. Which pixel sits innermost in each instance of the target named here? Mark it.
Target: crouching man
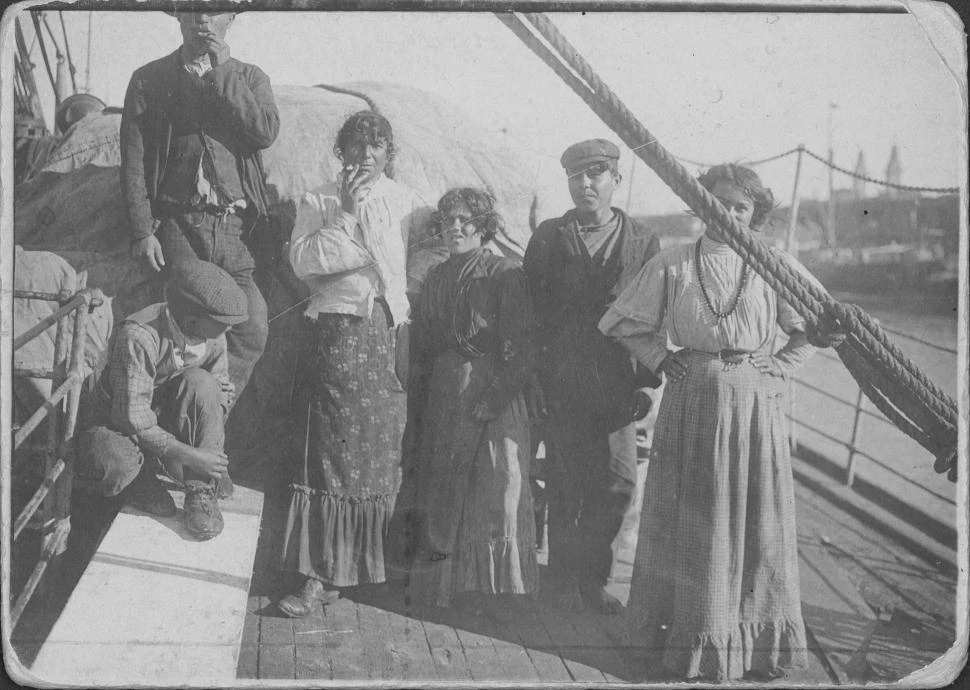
(163, 398)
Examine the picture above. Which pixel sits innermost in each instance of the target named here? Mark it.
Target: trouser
(188, 406)
(591, 483)
(218, 239)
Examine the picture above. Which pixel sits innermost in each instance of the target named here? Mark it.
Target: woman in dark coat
(468, 429)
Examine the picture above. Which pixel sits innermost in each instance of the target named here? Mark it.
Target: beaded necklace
(719, 315)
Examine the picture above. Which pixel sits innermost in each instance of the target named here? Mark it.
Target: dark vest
(195, 132)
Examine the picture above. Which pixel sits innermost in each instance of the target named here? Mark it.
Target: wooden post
(790, 244)
(830, 225)
(850, 465)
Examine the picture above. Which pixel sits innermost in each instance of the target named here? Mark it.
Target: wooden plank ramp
(157, 608)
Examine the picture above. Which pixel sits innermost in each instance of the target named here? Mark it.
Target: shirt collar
(201, 64)
(178, 337)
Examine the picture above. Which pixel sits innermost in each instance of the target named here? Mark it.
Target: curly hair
(372, 128)
(481, 203)
(746, 180)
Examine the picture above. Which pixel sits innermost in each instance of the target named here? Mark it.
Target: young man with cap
(576, 266)
(163, 397)
(193, 126)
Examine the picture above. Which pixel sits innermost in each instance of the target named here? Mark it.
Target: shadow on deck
(874, 612)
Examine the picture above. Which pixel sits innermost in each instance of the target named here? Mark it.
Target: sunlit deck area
(875, 611)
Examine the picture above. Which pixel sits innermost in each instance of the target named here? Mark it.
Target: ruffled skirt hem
(761, 646)
(494, 567)
(339, 540)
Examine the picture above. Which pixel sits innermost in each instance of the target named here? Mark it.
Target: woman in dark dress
(468, 429)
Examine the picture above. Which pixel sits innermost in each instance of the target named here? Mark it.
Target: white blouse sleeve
(322, 239)
(636, 318)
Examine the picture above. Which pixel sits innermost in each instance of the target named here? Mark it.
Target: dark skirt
(478, 528)
(348, 454)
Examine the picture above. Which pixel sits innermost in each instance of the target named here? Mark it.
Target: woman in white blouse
(715, 590)
(349, 244)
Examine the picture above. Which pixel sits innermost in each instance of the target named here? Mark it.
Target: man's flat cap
(589, 151)
(211, 289)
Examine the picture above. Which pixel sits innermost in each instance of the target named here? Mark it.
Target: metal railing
(52, 499)
(860, 412)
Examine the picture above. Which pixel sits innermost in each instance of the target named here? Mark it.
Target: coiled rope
(891, 381)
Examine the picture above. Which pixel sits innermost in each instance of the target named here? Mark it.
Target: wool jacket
(586, 374)
(239, 111)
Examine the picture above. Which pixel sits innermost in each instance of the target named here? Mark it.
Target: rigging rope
(884, 183)
(844, 171)
(893, 383)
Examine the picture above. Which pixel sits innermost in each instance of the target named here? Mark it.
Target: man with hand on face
(576, 266)
(193, 127)
(163, 398)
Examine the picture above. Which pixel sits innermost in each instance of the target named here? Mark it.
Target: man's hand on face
(205, 33)
(217, 48)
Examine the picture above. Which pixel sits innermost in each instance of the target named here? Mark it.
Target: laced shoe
(224, 486)
(300, 604)
(148, 495)
(203, 519)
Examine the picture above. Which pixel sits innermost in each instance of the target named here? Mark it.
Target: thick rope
(920, 403)
(785, 280)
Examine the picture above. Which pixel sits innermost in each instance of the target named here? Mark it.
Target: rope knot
(828, 330)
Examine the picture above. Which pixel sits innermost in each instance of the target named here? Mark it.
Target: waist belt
(235, 209)
(727, 355)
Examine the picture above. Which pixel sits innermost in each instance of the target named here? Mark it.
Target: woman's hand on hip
(674, 366)
(767, 364)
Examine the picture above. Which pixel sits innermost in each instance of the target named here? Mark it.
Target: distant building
(894, 172)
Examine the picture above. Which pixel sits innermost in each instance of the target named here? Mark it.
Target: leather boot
(300, 604)
(203, 519)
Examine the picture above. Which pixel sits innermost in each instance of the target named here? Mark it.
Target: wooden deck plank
(274, 627)
(379, 662)
(248, 666)
(568, 643)
(312, 662)
(449, 658)
(277, 661)
(410, 648)
(532, 635)
(343, 641)
(311, 629)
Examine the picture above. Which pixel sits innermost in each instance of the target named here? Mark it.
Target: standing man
(576, 266)
(193, 127)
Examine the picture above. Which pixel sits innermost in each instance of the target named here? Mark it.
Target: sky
(711, 87)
